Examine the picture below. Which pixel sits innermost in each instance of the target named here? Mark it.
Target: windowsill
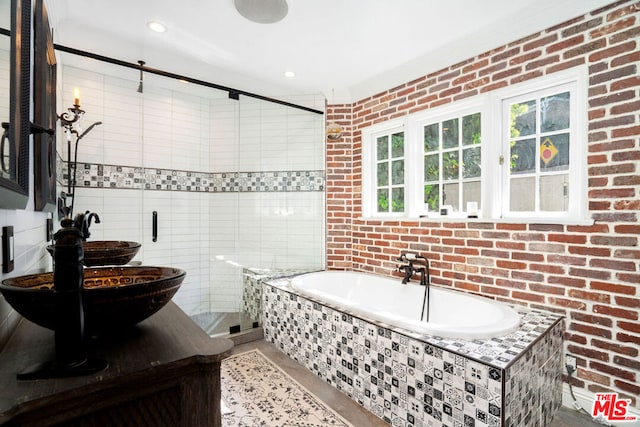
(452, 219)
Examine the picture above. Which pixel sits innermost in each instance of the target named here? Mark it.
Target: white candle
(76, 97)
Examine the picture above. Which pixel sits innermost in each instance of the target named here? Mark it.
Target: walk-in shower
(209, 183)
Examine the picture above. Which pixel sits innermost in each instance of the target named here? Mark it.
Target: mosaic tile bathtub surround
(252, 279)
(412, 380)
(129, 177)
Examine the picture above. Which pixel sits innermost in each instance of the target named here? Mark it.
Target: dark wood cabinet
(163, 372)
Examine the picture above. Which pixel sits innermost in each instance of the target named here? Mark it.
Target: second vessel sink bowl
(107, 252)
(113, 297)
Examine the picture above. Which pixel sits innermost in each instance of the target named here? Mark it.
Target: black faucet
(82, 222)
(425, 280)
(69, 333)
(409, 269)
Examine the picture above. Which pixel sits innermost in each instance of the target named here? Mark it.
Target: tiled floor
(349, 409)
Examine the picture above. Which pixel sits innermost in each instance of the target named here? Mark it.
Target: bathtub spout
(408, 272)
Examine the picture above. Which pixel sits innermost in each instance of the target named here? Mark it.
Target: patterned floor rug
(255, 392)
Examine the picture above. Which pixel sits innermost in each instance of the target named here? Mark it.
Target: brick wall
(591, 274)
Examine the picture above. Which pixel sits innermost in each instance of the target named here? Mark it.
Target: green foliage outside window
(452, 153)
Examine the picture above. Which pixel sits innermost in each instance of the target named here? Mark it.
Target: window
(539, 139)
(390, 172)
(517, 152)
(452, 163)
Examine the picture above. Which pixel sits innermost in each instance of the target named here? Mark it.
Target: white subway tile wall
(235, 184)
(30, 256)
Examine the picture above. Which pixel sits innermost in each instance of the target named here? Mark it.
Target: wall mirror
(44, 111)
(15, 47)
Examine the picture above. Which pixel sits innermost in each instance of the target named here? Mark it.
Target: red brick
(622, 337)
(629, 326)
(567, 281)
(590, 273)
(613, 264)
(585, 48)
(616, 348)
(627, 277)
(610, 370)
(614, 27)
(612, 288)
(546, 289)
(563, 302)
(623, 361)
(590, 318)
(582, 27)
(629, 131)
(588, 353)
(616, 312)
(580, 339)
(594, 377)
(633, 389)
(527, 296)
(624, 84)
(628, 302)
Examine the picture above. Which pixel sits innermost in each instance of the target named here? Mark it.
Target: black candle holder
(69, 121)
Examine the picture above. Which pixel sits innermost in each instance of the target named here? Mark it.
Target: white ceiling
(345, 49)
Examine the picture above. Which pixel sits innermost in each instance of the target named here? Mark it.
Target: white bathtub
(452, 314)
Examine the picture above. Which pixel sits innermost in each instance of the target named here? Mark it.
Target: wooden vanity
(164, 371)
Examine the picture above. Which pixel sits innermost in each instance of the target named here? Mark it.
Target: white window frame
(575, 80)
(417, 124)
(494, 145)
(369, 171)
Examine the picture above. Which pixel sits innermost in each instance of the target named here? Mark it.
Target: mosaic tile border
(91, 175)
(411, 382)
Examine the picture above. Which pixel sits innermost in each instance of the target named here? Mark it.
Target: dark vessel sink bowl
(107, 252)
(113, 297)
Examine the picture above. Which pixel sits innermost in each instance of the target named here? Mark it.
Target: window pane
(383, 200)
(382, 146)
(432, 196)
(554, 112)
(451, 196)
(450, 133)
(450, 165)
(523, 156)
(554, 190)
(383, 174)
(431, 137)
(397, 145)
(471, 193)
(397, 172)
(523, 119)
(522, 193)
(432, 167)
(554, 153)
(471, 162)
(471, 129)
(397, 204)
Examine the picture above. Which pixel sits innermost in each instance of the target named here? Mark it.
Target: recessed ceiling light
(289, 74)
(156, 26)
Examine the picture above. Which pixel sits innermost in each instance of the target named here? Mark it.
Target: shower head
(88, 130)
